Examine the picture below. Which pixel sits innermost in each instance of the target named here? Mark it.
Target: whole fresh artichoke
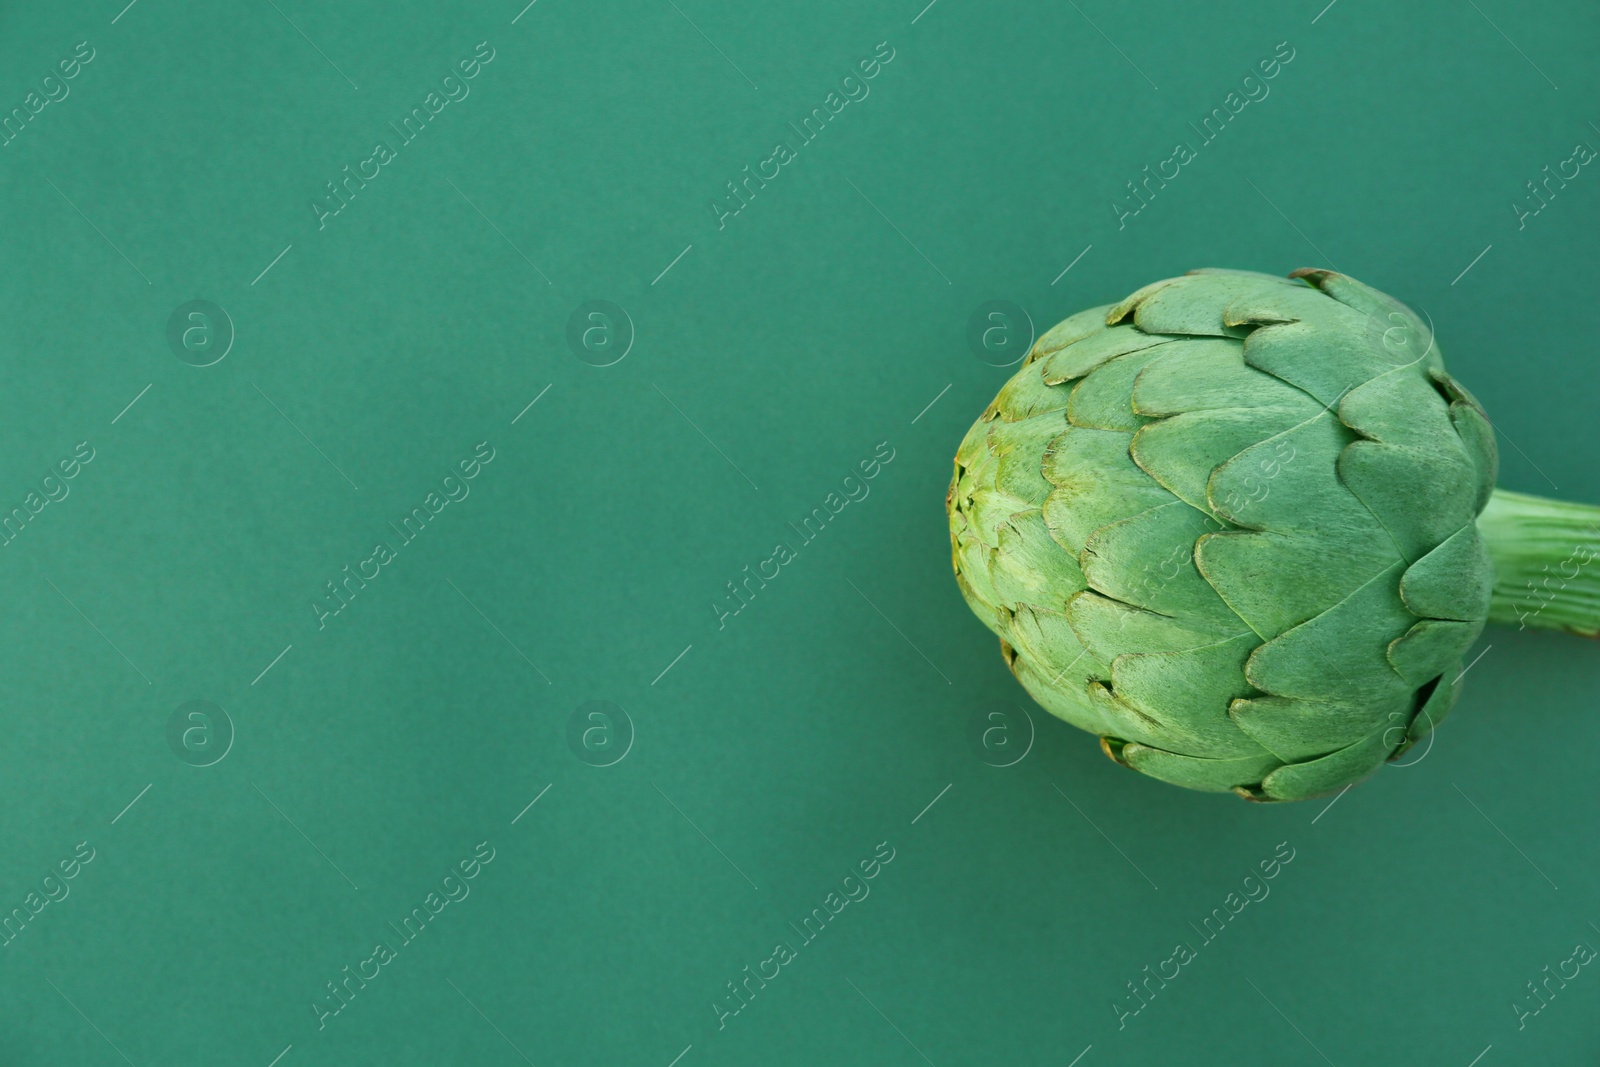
(1244, 529)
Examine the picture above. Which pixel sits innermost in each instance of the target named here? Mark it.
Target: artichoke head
(1229, 524)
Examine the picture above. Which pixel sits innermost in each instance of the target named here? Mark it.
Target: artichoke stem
(1546, 556)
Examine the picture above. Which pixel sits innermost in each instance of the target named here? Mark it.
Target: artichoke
(1244, 528)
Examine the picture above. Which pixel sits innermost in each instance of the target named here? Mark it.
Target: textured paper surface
(531, 386)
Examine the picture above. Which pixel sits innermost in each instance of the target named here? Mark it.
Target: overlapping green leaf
(1228, 525)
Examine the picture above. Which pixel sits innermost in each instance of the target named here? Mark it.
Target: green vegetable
(1245, 528)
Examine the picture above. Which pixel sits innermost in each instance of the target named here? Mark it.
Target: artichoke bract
(1245, 528)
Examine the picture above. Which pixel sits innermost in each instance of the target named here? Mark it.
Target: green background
(782, 748)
